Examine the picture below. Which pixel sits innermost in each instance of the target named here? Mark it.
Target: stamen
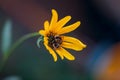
(54, 41)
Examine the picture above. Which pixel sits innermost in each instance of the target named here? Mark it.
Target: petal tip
(69, 17)
(73, 58)
(62, 58)
(55, 60)
(53, 11)
(41, 32)
(78, 22)
(85, 46)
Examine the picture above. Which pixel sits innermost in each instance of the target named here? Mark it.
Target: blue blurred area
(100, 30)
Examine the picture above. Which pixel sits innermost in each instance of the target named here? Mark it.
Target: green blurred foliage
(6, 36)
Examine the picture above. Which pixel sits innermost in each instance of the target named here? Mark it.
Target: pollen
(54, 41)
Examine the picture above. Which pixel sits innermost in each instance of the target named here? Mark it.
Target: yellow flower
(54, 40)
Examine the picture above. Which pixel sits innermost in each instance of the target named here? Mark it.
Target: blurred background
(99, 30)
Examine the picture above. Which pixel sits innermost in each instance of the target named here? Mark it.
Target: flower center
(54, 41)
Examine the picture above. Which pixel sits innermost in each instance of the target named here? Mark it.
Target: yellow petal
(53, 20)
(61, 23)
(69, 28)
(77, 43)
(42, 32)
(50, 50)
(73, 46)
(59, 53)
(46, 25)
(66, 54)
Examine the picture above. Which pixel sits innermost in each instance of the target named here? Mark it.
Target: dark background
(99, 30)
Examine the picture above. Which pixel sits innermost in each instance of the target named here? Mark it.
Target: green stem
(15, 45)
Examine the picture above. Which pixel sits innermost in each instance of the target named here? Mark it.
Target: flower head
(54, 40)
